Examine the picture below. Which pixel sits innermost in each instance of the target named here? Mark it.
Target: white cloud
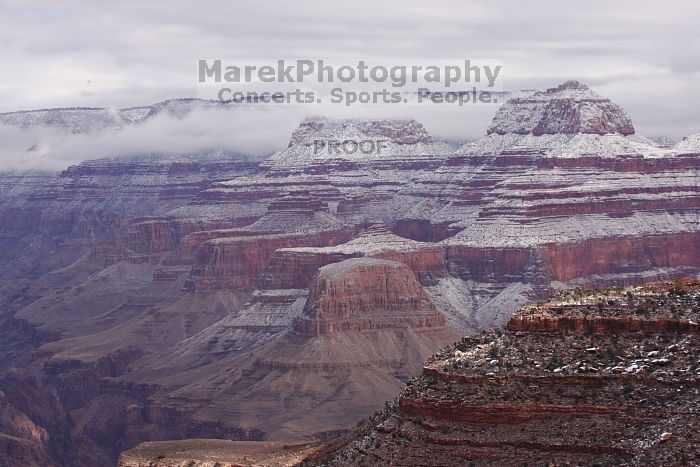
(256, 132)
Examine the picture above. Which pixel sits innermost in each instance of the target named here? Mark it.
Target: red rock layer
(290, 269)
(423, 230)
(294, 268)
(428, 264)
(160, 235)
(627, 324)
(238, 263)
(622, 255)
(487, 264)
(363, 294)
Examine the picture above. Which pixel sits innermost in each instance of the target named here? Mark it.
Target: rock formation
(569, 108)
(364, 294)
(594, 393)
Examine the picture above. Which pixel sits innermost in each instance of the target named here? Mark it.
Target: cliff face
(238, 263)
(620, 255)
(557, 176)
(561, 393)
(425, 260)
(363, 294)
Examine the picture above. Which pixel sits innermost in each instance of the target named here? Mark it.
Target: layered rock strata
(363, 294)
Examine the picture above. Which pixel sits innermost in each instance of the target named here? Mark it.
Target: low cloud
(255, 132)
(258, 131)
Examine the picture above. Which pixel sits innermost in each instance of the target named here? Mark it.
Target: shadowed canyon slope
(208, 296)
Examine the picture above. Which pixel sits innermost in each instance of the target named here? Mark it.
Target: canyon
(164, 297)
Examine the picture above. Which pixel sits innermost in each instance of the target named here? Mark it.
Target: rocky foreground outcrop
(581, 389)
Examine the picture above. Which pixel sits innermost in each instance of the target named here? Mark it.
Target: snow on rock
(507, 232)
(383, 139)
(77, 119)
(398, 131)
(569, 108)
(372, 240)
(91, 119)
(567, 121)
(565, 145)
(688, 145)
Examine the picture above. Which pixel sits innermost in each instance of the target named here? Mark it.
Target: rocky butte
(569, 108)
(213, 296)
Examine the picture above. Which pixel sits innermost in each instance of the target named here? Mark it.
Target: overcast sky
(642, 54)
